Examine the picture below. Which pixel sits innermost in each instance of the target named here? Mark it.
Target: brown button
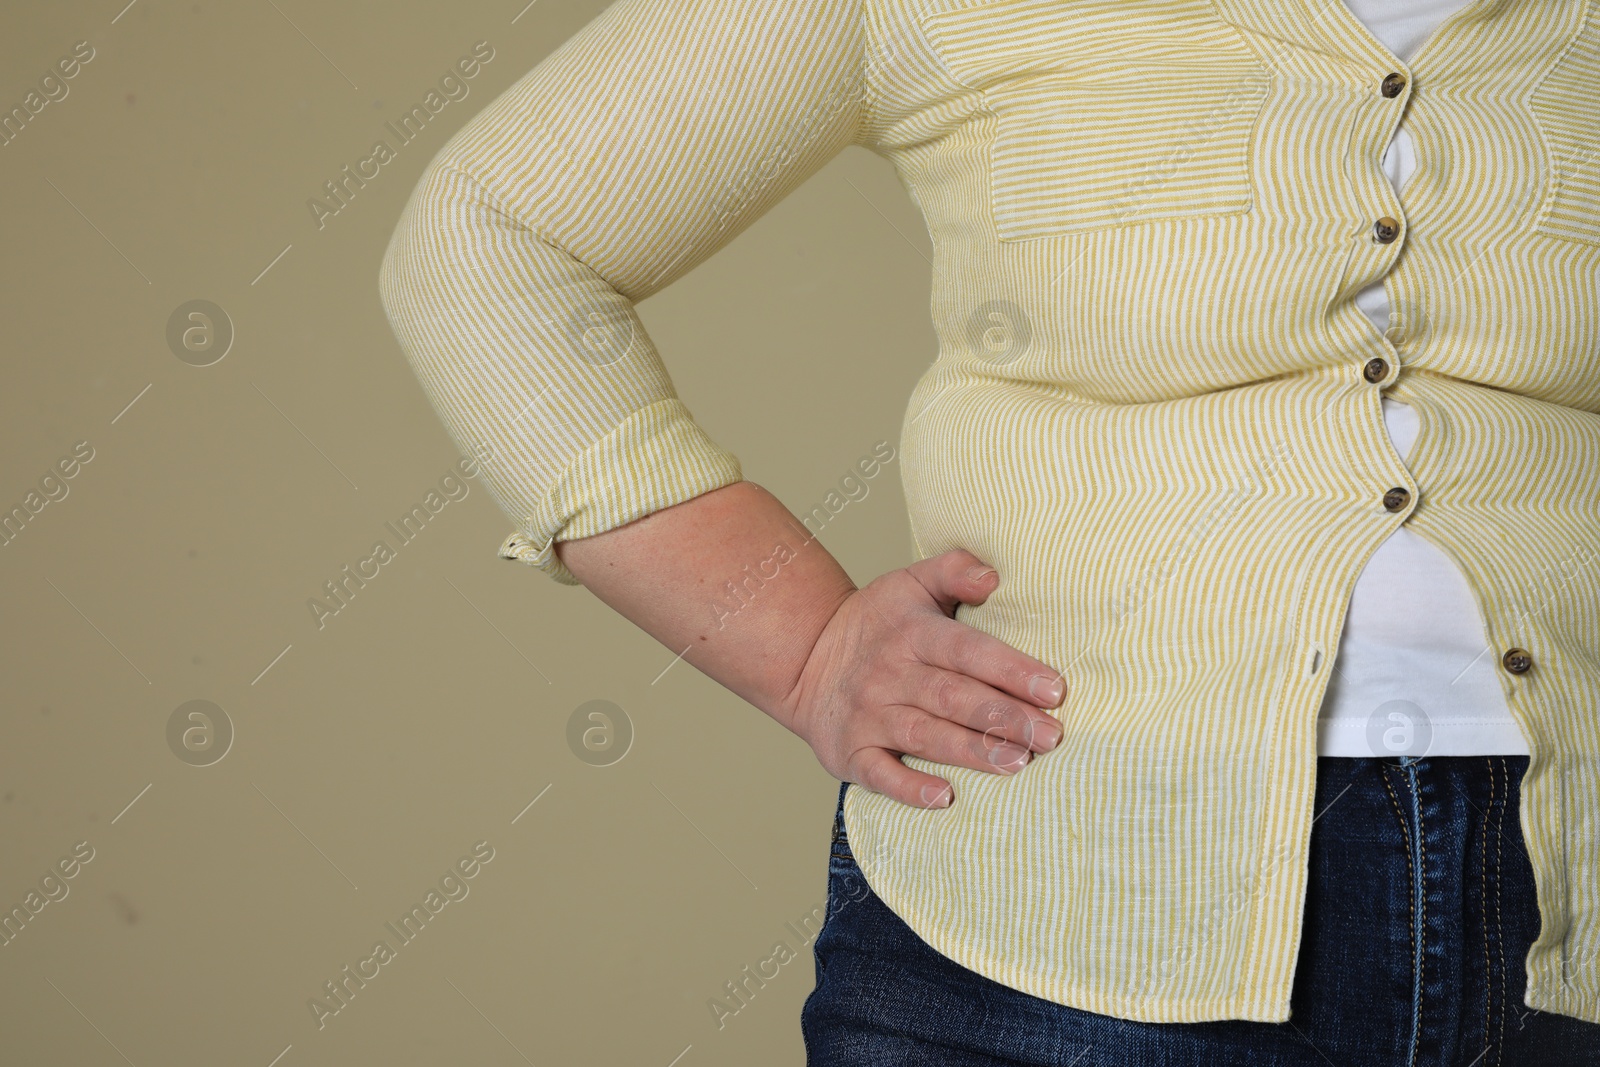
(1517, 660)
(1393, 84)
(1385, 230)
(1375, 369)
(1397, 498)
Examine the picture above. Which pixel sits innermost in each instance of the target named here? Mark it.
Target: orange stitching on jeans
(1404, 829)
(1483, 914)
(1411, 902)
(1500, 934)
(1422, 893)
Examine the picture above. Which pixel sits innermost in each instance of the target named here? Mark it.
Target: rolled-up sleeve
(623, 159)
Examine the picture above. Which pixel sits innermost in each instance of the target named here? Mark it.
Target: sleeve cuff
(657, 457)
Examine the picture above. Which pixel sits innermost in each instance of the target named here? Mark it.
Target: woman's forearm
(731, 579)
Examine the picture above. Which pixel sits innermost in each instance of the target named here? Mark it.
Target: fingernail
(1008, 756)
(979, 573)
(1045, 690)
(936, 797)
(1049, 735)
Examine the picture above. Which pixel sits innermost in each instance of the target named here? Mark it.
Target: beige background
(370, 755)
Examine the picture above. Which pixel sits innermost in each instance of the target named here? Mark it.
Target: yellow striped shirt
(1155, 408)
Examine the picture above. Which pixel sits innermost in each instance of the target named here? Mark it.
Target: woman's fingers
(954, 577)
(958, 576)
(882, 772)
(958, 647)
(916, 732)
(978, 706)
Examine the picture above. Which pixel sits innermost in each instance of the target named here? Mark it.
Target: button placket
(1386, 234)
(1387, 231)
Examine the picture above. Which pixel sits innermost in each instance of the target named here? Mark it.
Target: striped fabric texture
(1155, 407)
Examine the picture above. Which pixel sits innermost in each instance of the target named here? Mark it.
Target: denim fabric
(1419, 912)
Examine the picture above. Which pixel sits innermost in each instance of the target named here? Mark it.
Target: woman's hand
(863, 675)
(894, 672)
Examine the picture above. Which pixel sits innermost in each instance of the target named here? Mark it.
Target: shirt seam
(868, 118)
(1555, 182)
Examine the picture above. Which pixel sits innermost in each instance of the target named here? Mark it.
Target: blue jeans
(1419, 914)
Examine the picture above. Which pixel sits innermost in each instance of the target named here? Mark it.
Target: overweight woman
(1242, 705)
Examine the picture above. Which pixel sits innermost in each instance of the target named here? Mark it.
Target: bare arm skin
(862, 674)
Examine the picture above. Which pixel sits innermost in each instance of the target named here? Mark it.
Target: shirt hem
(1143, 1009)
(1566, 1001)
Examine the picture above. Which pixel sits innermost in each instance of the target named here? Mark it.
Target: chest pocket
(1567, 108)
(1106, 112)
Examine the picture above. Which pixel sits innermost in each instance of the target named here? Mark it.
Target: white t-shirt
(1414, 672)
